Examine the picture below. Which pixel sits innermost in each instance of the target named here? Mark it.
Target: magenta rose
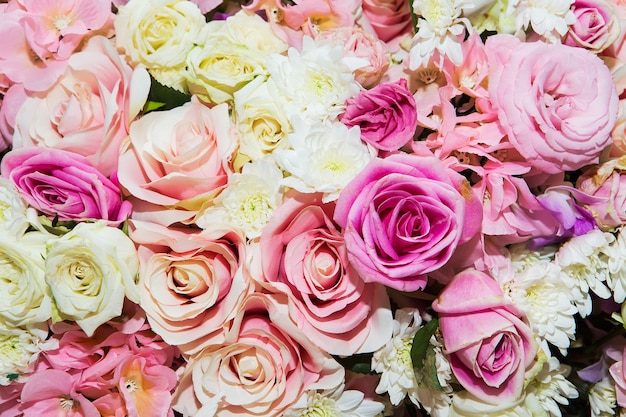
(386, 114)
(597, 26)
(560, 110)
(488, 342)
(64, 184)
(403, 217)
(304, 255)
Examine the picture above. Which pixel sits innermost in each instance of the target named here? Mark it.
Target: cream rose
(159, 34)
(24, 296)
(224, 59)
(89, 271)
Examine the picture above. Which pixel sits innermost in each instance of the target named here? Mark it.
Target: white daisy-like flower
(248, 201)
(324, 157)
(551, 387)
(440, 25)
(398, 378)
(584, 267)
(337, 403)
(314, 83)
(602, 400)
(393, 361)
(616, 280)
(19, 349)
(549, 19)
(537, 290)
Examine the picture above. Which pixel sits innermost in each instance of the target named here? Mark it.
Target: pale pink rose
(607, 182)
(403, 217)
(13, 99)
(386, 115)
(52, 392)
(489, 344)
(64, 185)
(304, 255)
(560, 110)
(597, 25)
(190, 283)
(178, 154)
(264, 366)
(88, 111)
(359, 44)
(389, 18)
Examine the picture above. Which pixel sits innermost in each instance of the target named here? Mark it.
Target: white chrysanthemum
(440, 26)
(550, 387)
(437, 403)
(393, 361)
(314, 83)
(19, 350)
(323, 157)
(616, 280)
(537, 290)
(583, 261)
(550, 19)
(602, 400)
(248, 201)
(337, 403)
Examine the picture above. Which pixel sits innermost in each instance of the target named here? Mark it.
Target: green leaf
(166, 96)
(12, 377)
(362, 368)
(421, 342)
(428, 376)
(152, 105)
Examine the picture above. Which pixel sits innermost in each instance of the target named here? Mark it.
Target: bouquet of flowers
(301, 208)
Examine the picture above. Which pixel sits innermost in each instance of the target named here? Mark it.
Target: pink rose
(560, 110)
(304, 255)
(403, 217)
(63, 184)
(607, 182)
(88, 110)
(597, 25)
(264, 366)
(386, 114)
(359, 44)
(489, 344)
(389, 18)
(190, 283)
(618, 374)
(178, 154)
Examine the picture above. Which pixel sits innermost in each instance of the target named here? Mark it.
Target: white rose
(159, 34)
(89, 271)
(24, 297)
(227, 57)
(465, 404)
(14, 212)
(261, 122)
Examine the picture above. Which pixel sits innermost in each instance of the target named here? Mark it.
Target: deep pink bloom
(403, 217)
(386, 114)
(64, 185)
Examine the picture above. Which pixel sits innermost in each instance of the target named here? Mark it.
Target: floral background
(312, 208)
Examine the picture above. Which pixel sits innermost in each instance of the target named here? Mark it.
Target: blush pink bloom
(51, 392)
(177, 155)
(488, 342)
(617, 371)
(561, 108)
(63, 184)
(597, 25)
(607, 182)
(264, 366)
(403, 217)
(357, 43)
(304, 255)
(390, 19)
(190, 283)
(145, 387)
(11, 102)
(386, 115)
(88, 111)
